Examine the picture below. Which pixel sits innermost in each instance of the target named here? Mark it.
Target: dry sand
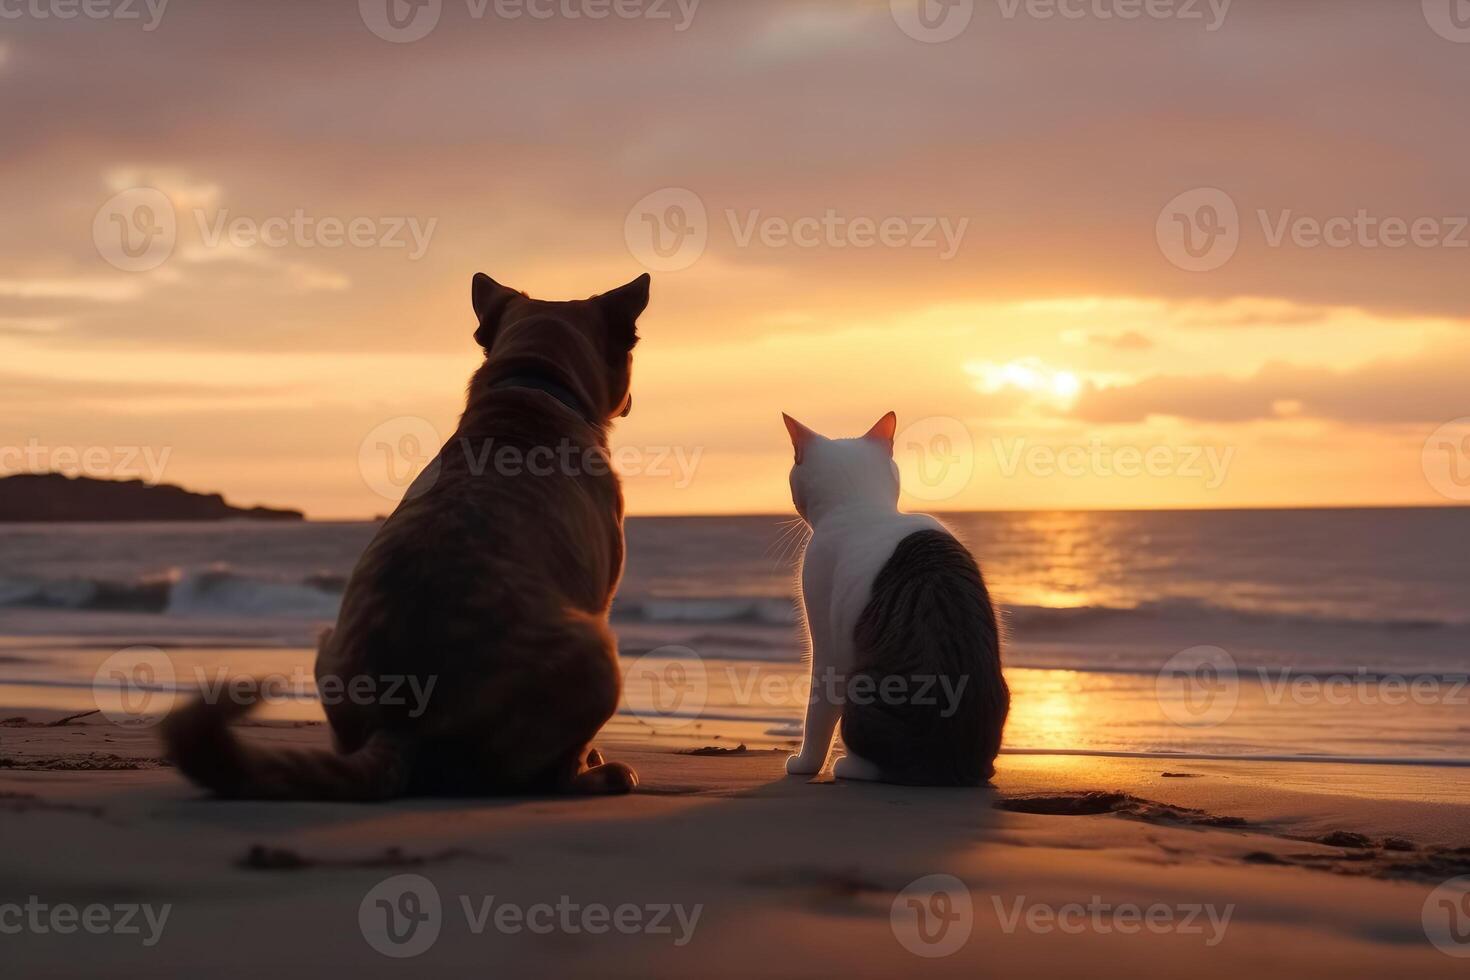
(1070, 866)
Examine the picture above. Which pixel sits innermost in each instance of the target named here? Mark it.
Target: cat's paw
(852, 767)
(797, 766)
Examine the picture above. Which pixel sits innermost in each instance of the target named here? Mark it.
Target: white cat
(905, 651)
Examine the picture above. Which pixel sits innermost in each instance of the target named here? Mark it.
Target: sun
(1028, 374)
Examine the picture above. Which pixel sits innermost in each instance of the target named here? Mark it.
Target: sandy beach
(1108, 866)
(1069, 389)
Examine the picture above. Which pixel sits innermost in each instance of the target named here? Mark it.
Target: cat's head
(829, 473)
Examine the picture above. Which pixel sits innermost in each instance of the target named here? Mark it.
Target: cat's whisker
(793, 541)
(788, 528)
(790, 531)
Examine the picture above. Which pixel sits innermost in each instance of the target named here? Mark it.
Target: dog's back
(488, 587)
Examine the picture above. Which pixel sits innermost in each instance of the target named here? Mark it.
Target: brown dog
(489, 586)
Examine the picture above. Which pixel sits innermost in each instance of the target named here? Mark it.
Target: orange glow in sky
(1077, 290)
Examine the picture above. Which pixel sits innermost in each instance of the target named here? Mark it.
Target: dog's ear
(622, 307)
(490, 299)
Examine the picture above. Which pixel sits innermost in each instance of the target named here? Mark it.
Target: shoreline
(1083, 714)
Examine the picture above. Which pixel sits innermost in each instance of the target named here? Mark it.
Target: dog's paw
(608, 779)
(797, 766)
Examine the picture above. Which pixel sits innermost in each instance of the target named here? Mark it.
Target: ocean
(1286, 634)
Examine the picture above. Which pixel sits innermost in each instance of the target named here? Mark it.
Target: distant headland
(34, 497)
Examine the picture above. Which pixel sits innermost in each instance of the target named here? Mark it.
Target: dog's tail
(201, 744)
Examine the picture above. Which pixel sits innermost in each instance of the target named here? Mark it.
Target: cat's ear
(884, 431)
(490, 299)
(622, 307)
(801, 436)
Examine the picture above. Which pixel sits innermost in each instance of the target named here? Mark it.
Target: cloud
(112, 290)
(1427, 388)
(31, 390)
(1128, 340)
(30, 325)
(532, 138)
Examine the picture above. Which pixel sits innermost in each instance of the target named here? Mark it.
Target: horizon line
(1448, 505)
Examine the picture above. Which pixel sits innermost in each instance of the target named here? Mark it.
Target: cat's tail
(199, 741)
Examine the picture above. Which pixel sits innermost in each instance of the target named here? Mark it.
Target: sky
(1095, 253)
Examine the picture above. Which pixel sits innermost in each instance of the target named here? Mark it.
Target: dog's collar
(554, 388)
